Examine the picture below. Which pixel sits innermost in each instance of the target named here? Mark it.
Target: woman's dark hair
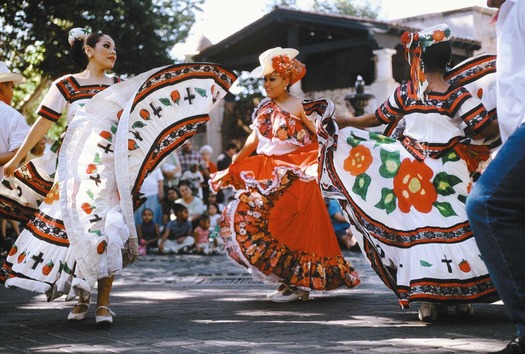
(172, 188)
(184, 183)
(77, 52)
(437, 56)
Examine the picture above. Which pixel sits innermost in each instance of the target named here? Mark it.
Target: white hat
(266, 57)
(206, 148)
(6, 75)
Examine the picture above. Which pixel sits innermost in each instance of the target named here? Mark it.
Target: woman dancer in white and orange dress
(407, 196)
(83, 232)
(278, 225)
(96, 52)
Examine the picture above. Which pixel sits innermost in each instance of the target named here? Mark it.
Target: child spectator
(168, 214)
(214, 199)
(148, 231)
(215, 215)
(195, 178)
(152, 190)
(177, 236)
(202, 235)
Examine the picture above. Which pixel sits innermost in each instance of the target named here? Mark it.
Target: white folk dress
(405, 197)
(84, 228)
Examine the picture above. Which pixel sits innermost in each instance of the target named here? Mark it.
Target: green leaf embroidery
(165, 101)
(138, 124)
(381, 139)
(354, 140)
(201, 92)
(462, 198)
(97, 232)
(67, 270)
(390, 162)
(445, 208)
(444, 183)
(97, 159)
(388, 201)
(424, 263)
(450, 156)
(90, 194)
(114, 129)
(361, 184)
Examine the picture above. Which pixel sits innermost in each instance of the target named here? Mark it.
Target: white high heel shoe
(104, 320)
(291, 295)
(79, 316)
(464, 310)
(281, 289)
(427, 312)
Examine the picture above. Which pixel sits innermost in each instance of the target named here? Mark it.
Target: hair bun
(77, 34)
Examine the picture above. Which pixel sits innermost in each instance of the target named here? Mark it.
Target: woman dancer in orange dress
(278, 226)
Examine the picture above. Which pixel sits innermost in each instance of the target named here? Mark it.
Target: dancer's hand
(11, 166)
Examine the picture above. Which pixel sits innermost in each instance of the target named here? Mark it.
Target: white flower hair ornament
(77, 34)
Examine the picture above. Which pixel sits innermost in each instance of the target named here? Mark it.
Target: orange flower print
(412, 186)
(358, 160)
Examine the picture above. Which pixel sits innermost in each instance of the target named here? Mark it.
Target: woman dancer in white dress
(406, 197)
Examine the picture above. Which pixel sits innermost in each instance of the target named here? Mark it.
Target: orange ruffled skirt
(278, 225)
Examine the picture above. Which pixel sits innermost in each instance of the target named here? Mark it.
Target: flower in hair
(415, 44)
(77, 34)
(290, 68)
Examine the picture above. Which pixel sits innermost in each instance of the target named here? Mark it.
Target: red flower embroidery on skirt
(412, 186)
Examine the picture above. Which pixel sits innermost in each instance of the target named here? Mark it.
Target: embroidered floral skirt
(278, 225)
(408, 216)
(82, 228)
(39, 260)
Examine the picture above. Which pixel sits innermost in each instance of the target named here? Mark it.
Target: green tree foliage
(347, 7)
(33, 39)
(357, 8)
(286, 3)
(34, 32)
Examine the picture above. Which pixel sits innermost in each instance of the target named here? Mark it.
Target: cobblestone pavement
(207, 304)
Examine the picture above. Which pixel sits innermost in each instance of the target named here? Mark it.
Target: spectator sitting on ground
(214, 199)
(195, 205)
(178, 234)
(172, 194)
(215, 216)
(202, 235)
(148, 231)
(153, 190)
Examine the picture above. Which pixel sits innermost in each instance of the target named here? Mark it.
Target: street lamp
(359, 100)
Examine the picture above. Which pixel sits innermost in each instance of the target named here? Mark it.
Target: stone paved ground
(207, 304)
